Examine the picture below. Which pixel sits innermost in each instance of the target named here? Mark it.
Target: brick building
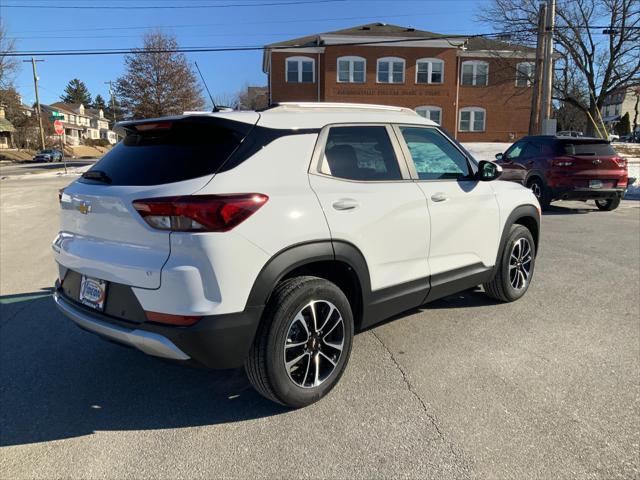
(477, 89)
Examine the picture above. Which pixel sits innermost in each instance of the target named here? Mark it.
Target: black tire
(608, 204)
(541, 191)
(265, 365)
(501, 287)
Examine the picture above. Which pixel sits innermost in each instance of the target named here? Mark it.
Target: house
(100, 126)
(477, 89)
(6, 130)
(80, 123)
(617, 104)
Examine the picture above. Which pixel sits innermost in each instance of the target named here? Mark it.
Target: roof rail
(338, 105)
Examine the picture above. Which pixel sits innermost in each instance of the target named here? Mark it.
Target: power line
(264, 22)
(171, 7)
(234, 48)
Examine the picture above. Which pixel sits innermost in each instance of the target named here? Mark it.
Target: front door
(464, 212)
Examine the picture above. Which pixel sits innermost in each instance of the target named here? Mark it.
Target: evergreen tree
(99, 103)
(623, 127)
(108, 111)
(76, 92)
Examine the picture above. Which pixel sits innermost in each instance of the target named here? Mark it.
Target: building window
(472, 119)
(390, 70)
(351, 69)
(429, 70)
(475, 72)
(524, 74)
(431, 113)
(300, 70)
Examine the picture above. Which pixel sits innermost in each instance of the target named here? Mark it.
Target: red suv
(566, 168)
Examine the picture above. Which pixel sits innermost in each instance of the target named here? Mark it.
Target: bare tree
(8, 65)
(253, 98)
(159, 81)
(596, 61)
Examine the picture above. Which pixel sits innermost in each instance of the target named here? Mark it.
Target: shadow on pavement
(558, 210)
(57, 381)
(469, 298)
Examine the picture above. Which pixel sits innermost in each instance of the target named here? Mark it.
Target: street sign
(54, 113)
(58, 127)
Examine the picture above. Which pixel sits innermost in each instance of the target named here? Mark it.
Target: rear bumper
(148, 342)
(217, 341)
(568, 193)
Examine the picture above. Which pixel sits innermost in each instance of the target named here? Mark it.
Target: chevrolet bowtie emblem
(84, 208)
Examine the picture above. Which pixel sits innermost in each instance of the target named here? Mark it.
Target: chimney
(2, 115)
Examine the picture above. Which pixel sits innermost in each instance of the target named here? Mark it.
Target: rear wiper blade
(97, 175)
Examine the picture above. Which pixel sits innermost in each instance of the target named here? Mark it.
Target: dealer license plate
(93, 292)
(595, 183)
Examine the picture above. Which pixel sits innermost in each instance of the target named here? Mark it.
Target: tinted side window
(531, 150)
(434, 157)
(171, 151)
(360, 153)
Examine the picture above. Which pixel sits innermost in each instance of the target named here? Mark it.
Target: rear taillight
(562, 162)
(621, 162)
(199, 213)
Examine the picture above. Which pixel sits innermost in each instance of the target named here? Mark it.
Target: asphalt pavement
(547, 387)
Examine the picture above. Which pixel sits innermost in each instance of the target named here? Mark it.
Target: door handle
(439, 197)
(345, 204)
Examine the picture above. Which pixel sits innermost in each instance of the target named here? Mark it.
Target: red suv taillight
(621, 162)
(199, 213)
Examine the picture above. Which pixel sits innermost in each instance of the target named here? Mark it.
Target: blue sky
(225, 72)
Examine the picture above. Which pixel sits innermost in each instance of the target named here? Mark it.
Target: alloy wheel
(314, 344)
(520, 263)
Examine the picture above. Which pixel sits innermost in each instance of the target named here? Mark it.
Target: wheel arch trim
(515, 217)
(295, 256)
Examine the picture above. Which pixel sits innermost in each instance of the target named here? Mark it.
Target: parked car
(48, 156)
(570, 133)
(267, 239)
(633, 137)
(561, 168)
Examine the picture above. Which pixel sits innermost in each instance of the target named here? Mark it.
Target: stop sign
(59, 129)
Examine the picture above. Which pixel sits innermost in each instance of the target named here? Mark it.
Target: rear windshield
(578, 147)
(169, 151)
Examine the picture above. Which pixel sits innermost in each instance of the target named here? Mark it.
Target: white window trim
(430, 62)
(390, 60)
(299, 60)
(472, 118)
(430, 107)
(532, 67)
(351, 60)
(474, 79)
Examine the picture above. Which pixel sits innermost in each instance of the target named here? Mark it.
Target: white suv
(266, 239)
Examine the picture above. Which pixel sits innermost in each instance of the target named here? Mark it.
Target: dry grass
(17, 155)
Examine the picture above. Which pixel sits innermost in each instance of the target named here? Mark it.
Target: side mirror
(488, 171)
(499, 156)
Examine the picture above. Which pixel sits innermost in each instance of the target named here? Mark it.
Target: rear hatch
(102, 235)
(590, 159)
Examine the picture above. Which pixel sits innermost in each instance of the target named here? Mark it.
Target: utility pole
(113, 101)
(38, 111)
(534, 120)
(548, 126)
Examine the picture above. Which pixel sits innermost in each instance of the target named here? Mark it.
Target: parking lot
(546, 387)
